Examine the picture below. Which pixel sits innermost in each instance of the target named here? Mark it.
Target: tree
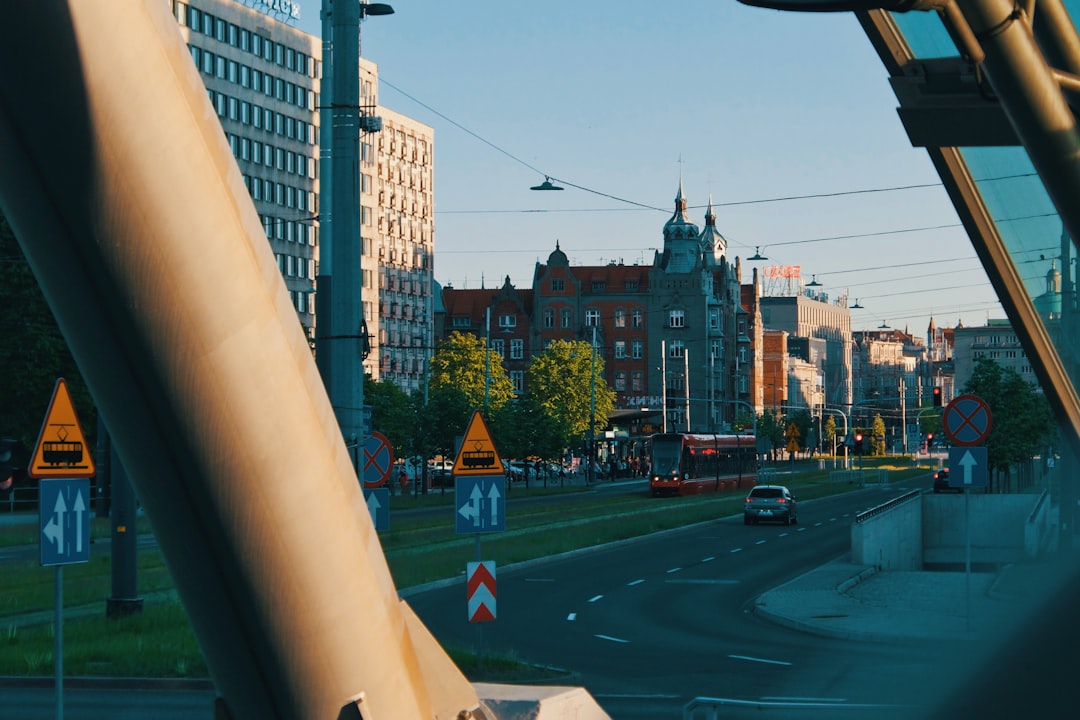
(1021, 417)
(462, 362)
(877, 436)
(831, 432)
(392, 414)
(770, 428)
(33, 355)
(561, 382)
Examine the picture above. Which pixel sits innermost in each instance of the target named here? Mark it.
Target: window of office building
(620, 349)
(517, 349)
(558, 284)
(620, 317)
(676, 349)
(677, 318)
(636, 349)
(517, 377)
(498, 347)
(592, 317)
(549, 318)
(507, 321)
(566, 318)
(636, 318)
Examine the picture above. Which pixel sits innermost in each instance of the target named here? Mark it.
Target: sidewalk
(857, 602)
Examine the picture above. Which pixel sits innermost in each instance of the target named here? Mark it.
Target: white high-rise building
(263, 77)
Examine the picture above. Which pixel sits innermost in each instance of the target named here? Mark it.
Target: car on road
(770, 502)
(941, 482)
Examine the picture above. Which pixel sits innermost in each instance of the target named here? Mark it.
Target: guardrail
(867, 514)
(21, 499)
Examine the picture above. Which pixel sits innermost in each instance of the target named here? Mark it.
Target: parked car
(941, 482)
(770, 502)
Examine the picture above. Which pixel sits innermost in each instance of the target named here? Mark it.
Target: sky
(785, 120)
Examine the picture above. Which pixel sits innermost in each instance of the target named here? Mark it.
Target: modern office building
(263, 76)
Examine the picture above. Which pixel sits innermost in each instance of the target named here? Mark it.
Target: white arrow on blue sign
(64, 517)
(378, 504)
(968, 467)
(480, 501)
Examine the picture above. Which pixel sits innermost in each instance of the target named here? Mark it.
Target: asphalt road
(647, 626)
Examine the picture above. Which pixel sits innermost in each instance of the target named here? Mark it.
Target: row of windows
(597, 286)
(287, 161)
(298, 267)
(235, 36)
(517, 349)
(637, 381)
(288, 231)
(303, 301)
(248, 77)
(261, 118)
(279, 193)
(592, 317)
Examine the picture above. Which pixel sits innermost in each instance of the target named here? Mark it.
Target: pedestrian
(403, 480)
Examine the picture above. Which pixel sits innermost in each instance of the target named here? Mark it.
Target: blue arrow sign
(968, 467)
(64, 517)
(480, 504)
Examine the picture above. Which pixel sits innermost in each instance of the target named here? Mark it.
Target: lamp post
(341, 333)
(590, 472)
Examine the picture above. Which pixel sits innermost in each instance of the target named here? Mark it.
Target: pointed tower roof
(713, 244)
(681, 246)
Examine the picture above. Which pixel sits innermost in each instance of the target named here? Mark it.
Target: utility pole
(591, 472)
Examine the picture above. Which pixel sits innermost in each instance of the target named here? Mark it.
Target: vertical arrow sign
(481, 591)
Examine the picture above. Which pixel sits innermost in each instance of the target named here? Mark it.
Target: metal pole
(590, 473)
(487, 362)
(686, 377)
(58, 640)
(663, 384)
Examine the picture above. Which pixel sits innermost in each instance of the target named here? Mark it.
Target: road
(647, 626)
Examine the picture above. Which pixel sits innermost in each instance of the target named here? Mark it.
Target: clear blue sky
(622, 97)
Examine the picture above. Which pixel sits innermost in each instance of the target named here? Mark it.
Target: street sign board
(64, 520)
(480, 589)
(480, 502)
(378, 504)
(61, 450)
(477, 454)
(967, 420)
(968, 467)
(378, 460)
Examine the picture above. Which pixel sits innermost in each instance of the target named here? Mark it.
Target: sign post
(966, 421)
(480, 504)
(62, 462)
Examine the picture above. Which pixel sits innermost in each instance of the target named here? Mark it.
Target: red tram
(691, 463)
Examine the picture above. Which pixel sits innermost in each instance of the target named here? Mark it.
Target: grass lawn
(419, 547)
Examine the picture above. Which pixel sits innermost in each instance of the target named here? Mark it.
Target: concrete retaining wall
(999, 527)
(891, 539)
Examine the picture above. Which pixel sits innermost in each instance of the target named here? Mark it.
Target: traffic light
(7, 468)
(937, 395)
(929, 440)
(859, 443)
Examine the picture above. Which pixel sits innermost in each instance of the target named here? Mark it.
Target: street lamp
(856, 306)
(757, 256)
(546, 185)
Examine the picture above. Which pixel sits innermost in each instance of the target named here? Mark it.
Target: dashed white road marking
(708, 559)
(735, 550)
(594, 598)
(571, 617)
(759, 660)
(612, 639)
(632, 583)
(760, 542)
(674, 570)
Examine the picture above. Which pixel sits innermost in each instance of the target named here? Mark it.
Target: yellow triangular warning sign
(61, 450)
(477, 455)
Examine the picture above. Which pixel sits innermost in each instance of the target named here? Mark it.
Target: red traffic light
(937, 396)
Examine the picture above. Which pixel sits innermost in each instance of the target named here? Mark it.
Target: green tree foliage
(1022, 421)
(463, 363)
(560, 382)
(523, 429)
(392, 414)
(442, 420)
(803, 423)
(831, 433)
(877, 435)
(770, 429)
(33, 354)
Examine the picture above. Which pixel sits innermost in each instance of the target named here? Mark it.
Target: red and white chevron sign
(481, 590)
